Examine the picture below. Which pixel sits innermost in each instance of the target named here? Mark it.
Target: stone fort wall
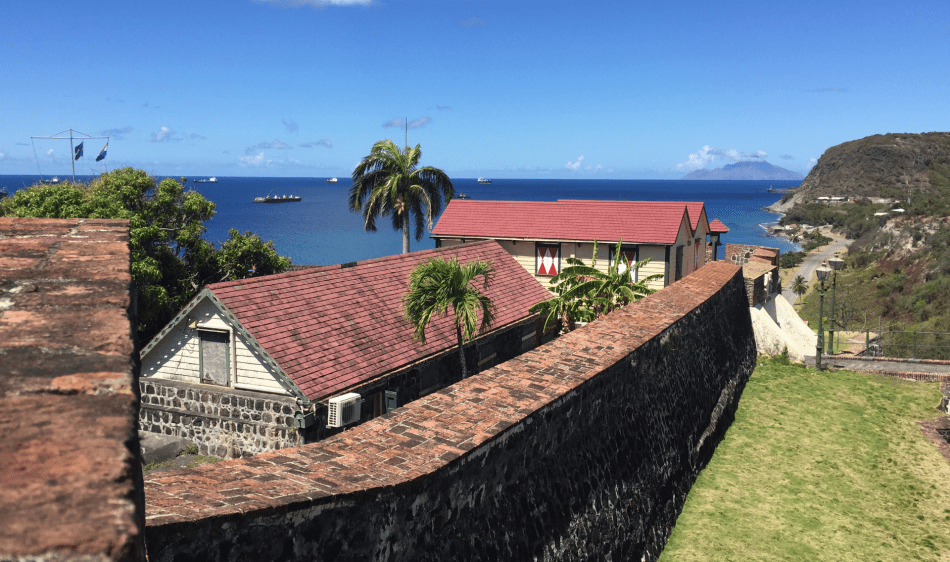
(70, 469)
(582, 449)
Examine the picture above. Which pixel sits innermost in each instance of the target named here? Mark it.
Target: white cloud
(49, 152)
(320, 3)
(2, 156)
(257, 160)
(117, 134)
(472, 22)
(420, 122)
(575, 165)
(322, 142)
(707, 155)
(164, 134)
(264, 145)
(400, 122)
(811, 163)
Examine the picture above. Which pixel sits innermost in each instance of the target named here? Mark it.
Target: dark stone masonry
(582, 449)
(223, 422)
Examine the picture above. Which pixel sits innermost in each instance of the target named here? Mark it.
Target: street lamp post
(836, 264)
(822, 273)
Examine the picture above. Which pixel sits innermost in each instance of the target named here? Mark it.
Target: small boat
(212, 179)
(484, 180)
(277, 199)
(52, 181)
(462, 196)
(332, 180)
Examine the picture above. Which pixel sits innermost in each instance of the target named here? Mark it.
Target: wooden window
(215, 357)
(632, 253)
(679, 263)
(547, 259)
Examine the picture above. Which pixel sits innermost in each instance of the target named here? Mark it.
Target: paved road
(807, 268)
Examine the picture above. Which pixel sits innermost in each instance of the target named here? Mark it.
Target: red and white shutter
(547, 260)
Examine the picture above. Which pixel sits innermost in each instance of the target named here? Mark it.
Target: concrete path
(861, 365)
(811, 262)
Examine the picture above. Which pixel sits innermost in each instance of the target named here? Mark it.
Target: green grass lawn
(821, 466)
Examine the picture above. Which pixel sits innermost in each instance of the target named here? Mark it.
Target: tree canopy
(389, 183)
(585, 293)
(171, 261)
(437, 285)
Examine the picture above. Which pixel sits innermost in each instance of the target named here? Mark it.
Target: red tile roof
(697, 211)
(647, 222)
(332, 328)
(716, 226)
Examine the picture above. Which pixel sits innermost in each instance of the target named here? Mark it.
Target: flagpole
(72, 156)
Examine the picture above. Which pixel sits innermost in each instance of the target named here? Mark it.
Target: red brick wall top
(67, 399)
(429, 433)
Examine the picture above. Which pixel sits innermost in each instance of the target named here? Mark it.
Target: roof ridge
(349, 265)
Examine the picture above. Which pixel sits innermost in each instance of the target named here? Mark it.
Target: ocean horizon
(321, 230)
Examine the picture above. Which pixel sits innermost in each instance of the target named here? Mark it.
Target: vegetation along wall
(582, 449)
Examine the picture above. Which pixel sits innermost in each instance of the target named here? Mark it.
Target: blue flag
(102, 153)
(78, 151)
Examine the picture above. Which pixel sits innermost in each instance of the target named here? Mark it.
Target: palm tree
(585, 293)
(389, 183)
(799, 286)
(438, 284)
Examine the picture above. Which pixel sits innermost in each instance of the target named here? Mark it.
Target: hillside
(898, 267)
(896, 165)
(745, 171)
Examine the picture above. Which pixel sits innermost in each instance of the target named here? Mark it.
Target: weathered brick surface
(582, 449)
(70, 481)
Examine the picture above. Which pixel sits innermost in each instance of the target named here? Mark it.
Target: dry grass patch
(821, 466)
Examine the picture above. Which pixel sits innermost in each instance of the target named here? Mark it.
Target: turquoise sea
(321, 230)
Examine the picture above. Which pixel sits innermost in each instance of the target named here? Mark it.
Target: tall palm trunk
(405, 231)
(458, 332)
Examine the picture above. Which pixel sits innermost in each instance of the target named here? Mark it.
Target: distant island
(745, 171)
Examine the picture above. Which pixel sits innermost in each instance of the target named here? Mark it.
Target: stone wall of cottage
(221, 421)
(231, 423)
(739, 254)
(582, 449)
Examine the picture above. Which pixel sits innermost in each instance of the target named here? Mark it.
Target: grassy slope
(821, 466)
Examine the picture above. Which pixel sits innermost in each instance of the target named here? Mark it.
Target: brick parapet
(493, 450)
(69, 468)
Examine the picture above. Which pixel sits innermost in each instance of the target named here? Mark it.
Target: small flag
(78, 151)
(102, 153)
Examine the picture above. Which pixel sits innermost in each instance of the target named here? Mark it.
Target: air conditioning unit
(344, 410)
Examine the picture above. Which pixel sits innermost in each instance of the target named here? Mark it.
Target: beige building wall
(524, 253)
(176, 356)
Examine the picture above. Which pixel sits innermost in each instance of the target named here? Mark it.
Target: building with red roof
(542, 234)
(285, 346)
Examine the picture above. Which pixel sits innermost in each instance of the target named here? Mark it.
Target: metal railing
(908, 345)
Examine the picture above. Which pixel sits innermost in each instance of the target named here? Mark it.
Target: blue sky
(598, 89)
